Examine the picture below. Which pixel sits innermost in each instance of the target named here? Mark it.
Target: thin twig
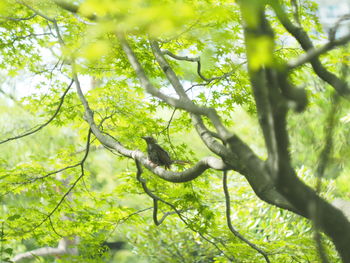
(149, 193)
(32, 180)
(10, 96)
(53, 228)
(35, 11)
(199, 66)
(333, 30)
(229, 223)
(178, 212)
(167, 128)
(71, 187)
(18, 19)
(45, 123)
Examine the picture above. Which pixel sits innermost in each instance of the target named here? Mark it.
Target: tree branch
(72, 186)
(45, 123)
(64, 247)
(175, 82)
(305, 42)
(178, 177)
(178, 212)
(248, 163)
(296, 13)
(36, 11)
(199, 66)
(184, 102)
(313, 53)
(273, 122)
(18, 19)
(73, 8)
(333, 30)
(208, 137)
(229, 222)
(153, 196)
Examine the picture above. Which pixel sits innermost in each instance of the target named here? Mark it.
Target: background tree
(169, 69)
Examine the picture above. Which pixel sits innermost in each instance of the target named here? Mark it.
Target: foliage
(56, 182)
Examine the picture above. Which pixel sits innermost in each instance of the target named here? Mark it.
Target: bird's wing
(163, 155)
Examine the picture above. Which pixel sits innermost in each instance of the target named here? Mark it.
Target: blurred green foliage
(109, 204)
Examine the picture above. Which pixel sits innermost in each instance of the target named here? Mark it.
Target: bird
(156, 153)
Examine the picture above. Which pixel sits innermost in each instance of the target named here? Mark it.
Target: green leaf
(13, 217)
(8, 251)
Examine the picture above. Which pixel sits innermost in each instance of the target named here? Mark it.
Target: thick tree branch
(240, 156)
(248, 163)
(175, 82)
(178, 177)
(257, 173)
(184, 102)
(73, 8)
(342, 205)
(208, 137)
(65, 246)
(273, 122)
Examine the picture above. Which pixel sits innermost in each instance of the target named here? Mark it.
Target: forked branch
(305, 42)
(110, 142)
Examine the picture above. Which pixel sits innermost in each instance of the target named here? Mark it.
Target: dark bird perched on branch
(158, 155)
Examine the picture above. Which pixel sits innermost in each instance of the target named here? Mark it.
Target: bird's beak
(143, 137)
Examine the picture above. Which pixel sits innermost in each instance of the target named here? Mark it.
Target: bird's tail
(182, 162)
